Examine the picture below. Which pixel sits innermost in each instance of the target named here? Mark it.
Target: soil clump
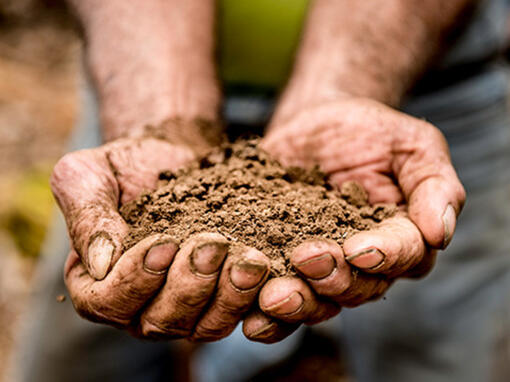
(239, 191)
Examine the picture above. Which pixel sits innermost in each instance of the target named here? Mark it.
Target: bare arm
(151, 61)
(373, 49)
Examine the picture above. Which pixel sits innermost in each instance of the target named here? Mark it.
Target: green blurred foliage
(27, 208)
(257, 40)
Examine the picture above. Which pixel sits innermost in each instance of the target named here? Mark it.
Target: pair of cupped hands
(203, 288)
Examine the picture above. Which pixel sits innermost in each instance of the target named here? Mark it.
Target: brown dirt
(243, 194)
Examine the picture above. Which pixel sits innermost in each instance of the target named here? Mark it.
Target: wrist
(362, 50)
(152, 85)
(126, 110)
(151, 62)
(198, 134)
(304, 93)
(316, 82)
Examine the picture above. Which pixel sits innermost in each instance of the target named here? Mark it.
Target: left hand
(398, 159)
(159, 288)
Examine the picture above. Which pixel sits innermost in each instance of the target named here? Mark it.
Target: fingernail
(262, 331)
(246, 275)
(159, 257)
(287, 306)
(367, 259)
(449, 222)
(99, 256)
(207, 258)
(317, 267)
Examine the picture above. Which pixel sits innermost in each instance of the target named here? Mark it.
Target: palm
(137, 164)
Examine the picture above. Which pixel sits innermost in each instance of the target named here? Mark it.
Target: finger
(134, 279)
(424, 266)
(190, 285)
(434, 206)
(393, 247)
(259, 327)
(291, 300)
(322, 264)
(137, 164)
(431, 186)
(374, 179)
(87, 193)
(242, 275)
(363, 288)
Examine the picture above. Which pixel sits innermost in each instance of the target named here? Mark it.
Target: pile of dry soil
(243, 194)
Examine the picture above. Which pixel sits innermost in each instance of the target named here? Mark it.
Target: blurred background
(39, 78)
(39, 62)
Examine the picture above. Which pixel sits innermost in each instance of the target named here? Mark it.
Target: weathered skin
(355, 58)
(339, 137)
(89, 185)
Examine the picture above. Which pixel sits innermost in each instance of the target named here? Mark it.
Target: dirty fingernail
(287, 306)
(100, 255)
(159, 257)
(263, 331)
(449, 222)
(207, 258)
(367, 259)
(247, 274)
(317, 267)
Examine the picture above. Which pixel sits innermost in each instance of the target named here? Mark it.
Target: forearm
(151, 61)
(369, 48)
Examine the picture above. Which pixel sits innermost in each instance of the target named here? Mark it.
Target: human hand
(398, 159)
(204, 292)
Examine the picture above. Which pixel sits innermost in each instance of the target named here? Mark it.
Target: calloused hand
(159, 288)
(398, 159)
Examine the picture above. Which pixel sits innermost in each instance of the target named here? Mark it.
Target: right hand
(158, 288)
(398, 159)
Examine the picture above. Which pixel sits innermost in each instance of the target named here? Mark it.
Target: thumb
(88, 195)
(431, 186)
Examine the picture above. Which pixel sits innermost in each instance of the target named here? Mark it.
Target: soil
(242, 193)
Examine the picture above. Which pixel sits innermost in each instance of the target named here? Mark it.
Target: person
(153, 68)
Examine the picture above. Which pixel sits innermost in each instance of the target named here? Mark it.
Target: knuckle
(113, 314)
(212, 331)
(347, 297)
(324, 312)
(91, 311)
(332, 286)
(64, 166)
(371, 290)
(152, 330)
(98, 305)
(461, 194)
(435, 134)
(231, 308)
(82, 308)
(191, 301)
